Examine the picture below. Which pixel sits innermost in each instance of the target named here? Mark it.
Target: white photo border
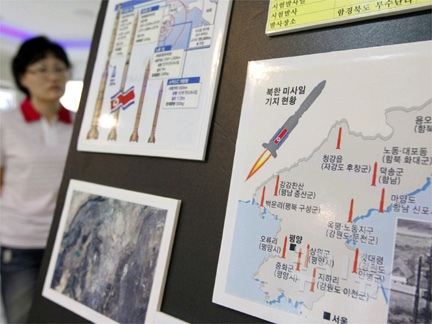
(154, 315)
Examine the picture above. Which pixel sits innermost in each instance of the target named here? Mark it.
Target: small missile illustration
(134, 137)
(112, 136)
(282, 134)
(152, 138)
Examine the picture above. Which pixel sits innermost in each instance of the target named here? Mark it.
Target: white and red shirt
(33, 155)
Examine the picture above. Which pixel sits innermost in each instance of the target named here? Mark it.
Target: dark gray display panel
(203, 187)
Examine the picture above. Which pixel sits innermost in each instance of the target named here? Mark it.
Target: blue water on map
(194, 16)
(245, 253)
(246, 256)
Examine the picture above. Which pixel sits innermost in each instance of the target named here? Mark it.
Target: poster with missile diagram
(329, 211)
(154, 81)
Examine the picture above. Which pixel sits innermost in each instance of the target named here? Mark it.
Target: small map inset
(184, 20)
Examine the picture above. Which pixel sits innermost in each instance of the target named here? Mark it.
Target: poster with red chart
(329, 211)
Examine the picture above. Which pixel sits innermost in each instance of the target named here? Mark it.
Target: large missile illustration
(112, 136)
(282, 134)
(93, 132)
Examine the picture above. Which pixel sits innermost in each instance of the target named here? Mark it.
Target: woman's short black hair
(31, 51)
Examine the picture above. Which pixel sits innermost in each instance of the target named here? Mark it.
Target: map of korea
(181, 18)
(331, 228)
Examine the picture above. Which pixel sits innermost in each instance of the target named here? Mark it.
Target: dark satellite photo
(108, 255)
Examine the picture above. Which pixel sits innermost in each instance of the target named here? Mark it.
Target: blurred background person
(34, 140)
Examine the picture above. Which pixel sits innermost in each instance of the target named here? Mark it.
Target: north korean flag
(281, 135)
(122, 99)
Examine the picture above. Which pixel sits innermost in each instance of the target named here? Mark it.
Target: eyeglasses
(44, 72)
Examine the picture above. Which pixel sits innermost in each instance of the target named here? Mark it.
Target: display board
(203, 186)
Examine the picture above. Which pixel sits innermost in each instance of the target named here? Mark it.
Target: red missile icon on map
(282, 134)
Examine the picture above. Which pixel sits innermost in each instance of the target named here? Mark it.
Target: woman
(34, 144)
